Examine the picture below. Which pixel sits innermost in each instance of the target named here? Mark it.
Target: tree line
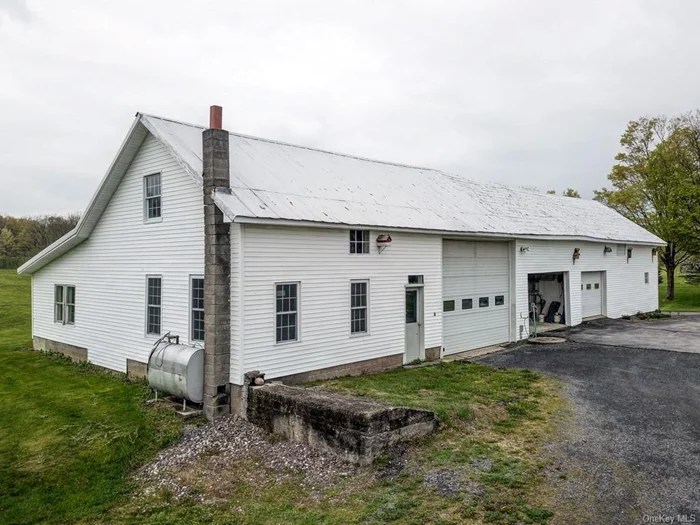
(23, 237)
(656, 183)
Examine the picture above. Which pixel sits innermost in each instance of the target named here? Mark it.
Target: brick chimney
(217, 270)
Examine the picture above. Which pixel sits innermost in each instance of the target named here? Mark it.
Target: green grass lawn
(687, 296)
(488, 416)
(69, 434)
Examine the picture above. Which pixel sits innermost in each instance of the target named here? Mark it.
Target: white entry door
(475, 285)
(414, 322)
(591, 294)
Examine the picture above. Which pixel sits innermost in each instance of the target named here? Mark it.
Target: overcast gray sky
(526, 93)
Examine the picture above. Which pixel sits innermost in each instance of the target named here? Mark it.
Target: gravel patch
(448, 482)
(216, 452)
(445, 481)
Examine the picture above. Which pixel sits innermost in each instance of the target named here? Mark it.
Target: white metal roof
(273, 180)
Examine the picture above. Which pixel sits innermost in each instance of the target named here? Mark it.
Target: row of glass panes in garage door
(468, 304)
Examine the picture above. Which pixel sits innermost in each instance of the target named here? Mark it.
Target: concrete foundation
(136, 369)
(433, 354)
(76, 353)
(368, 366)
(358, 429)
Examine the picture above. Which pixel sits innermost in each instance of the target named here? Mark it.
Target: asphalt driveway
(631, 450)
(678, 334)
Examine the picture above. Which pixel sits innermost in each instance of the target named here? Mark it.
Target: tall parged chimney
(217, 270)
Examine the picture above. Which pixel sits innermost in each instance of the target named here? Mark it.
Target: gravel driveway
(631, 451)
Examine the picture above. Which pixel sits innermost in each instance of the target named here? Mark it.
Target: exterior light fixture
(654, 251)
(524, 249)
(607, 249)
(577, 254)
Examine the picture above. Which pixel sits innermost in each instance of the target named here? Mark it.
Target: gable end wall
(109, 269)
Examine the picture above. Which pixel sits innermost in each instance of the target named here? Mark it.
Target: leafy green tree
(7, 243)
(656, 183)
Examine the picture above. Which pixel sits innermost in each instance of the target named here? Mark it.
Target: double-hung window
(59, 304)
(359, 241)
(152, 197)
(64, 304)
(286, 312)
(197, 308)
(154, 290)
(359, 294)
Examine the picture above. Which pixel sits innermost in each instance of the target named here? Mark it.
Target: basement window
(197, 308)
(152, 197)
(64, 304)
(467, 304)
(448, 306)
(154, 291)
(287, 312)
(358, 306)
(359, 241)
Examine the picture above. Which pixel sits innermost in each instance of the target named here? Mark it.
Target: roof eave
(241, 219)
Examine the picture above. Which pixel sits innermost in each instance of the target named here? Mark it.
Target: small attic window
(152, 197)
(359, 241)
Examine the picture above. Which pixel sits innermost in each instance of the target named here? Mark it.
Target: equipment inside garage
(547, 300)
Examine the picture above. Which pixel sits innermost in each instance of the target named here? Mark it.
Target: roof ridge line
(282, 143)
(448, 174)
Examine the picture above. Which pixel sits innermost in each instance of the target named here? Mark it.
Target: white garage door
(591, 294)
(475, 284)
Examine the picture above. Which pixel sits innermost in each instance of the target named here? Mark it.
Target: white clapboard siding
(319, 259)
(109, 269)
(625, 290)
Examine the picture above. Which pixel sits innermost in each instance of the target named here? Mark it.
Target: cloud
(15, 10)
(527, 93)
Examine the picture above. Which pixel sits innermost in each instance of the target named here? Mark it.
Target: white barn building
(298, 283)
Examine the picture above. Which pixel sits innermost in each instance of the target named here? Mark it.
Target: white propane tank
(177, 370)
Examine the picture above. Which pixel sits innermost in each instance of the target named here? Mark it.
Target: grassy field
(70, 434)
(493, 423)
(687, 296)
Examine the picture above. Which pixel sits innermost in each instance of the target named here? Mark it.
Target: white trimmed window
(154, 291)
(59, 304)
(64, 304)
(359, 299)
(197, 308)
(286, 312)
(152, 202)
(359, 241)
(70, 304)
